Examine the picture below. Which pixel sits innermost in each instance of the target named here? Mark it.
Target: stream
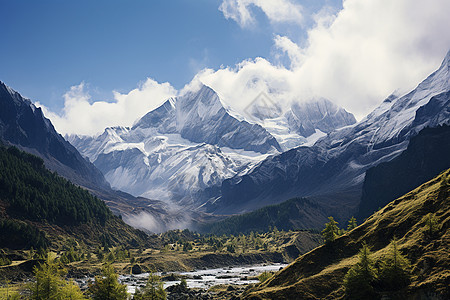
(204, 279)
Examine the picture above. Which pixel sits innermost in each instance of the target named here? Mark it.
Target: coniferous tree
(352, 224)
(153, 289)
(394, 274)
(331, 231)
(358, 282)
(50, 284)
(107, 286)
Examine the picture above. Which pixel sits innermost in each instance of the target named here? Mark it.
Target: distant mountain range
(191, 143)
(199, 159)
(333, 169)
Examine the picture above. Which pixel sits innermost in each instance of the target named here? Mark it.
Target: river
(205, 279)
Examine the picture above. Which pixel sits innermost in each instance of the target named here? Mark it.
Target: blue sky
(113, 45)
(69, 56)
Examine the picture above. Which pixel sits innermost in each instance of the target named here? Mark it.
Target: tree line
(34, 193)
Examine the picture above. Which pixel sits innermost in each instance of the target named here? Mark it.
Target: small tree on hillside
(359, 279)
(331, 231)
(352, 224)
(394, 274)
(187, 247)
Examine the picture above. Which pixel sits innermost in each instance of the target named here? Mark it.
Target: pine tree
(358, 282)
(50, 285)
(153, 289)
(394, 274)
(331, 231)
(352, 224)
(107, 287)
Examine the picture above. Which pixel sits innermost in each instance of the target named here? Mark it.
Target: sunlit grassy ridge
(320, 273)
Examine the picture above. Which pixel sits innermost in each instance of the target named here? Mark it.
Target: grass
(319, 273)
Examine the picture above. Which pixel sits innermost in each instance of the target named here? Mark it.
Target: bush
(263, 277)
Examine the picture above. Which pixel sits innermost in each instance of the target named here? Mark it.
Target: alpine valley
(211, 187)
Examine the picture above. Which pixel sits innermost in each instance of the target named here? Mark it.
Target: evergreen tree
(153, 289)
(107, 286)
(394, 274)
(352, 224)
(187, 246)
(331, 231)
(50, 285)
(358, 282)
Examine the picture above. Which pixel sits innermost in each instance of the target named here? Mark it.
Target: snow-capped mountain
(306, 117)
(304, 122)
(334, 168)
(199, 116)
(23, 125)
(191, 143)
(187, 144)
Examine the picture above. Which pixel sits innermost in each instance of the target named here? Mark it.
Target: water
(206, 278)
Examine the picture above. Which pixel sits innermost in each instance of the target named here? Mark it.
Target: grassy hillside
(320, 273)
(296, 213)
(39, 209)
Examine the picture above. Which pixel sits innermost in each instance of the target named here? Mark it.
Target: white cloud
(82, 116)
(290, 48)
(277, 11)
(355, 57)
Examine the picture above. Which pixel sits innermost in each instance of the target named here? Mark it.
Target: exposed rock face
(201, 118)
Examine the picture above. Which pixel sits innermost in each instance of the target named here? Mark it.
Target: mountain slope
(24, 125)
(319, 114)
(334, 168)
(426, 156)
(199, 117)
(320, 273)
(289, 215)
(34, 201)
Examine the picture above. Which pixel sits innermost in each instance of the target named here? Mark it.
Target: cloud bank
(355, 57)
(83, 116)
